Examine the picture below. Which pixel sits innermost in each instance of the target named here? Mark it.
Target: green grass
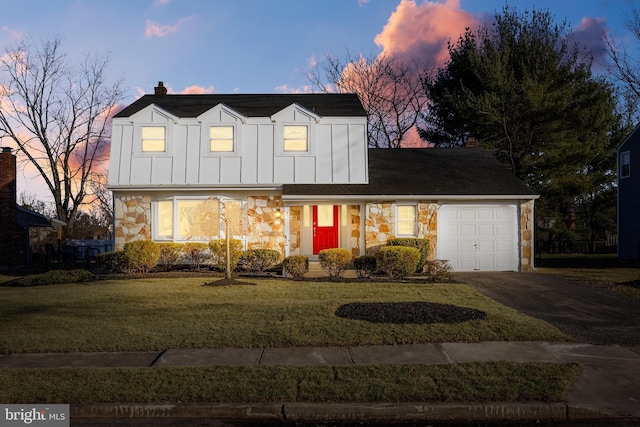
(475, 382)
(603, 271)
(157, 314)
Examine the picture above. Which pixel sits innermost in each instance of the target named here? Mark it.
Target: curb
(288, 411)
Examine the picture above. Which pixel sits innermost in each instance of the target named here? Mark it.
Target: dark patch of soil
(228, 282)
(631, 284)
(408, 312)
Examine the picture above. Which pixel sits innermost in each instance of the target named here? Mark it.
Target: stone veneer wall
(354, 215)
(264, 229)
(526, 235)
(380, 225)
(132, 216)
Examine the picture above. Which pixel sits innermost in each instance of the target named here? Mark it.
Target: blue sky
(255, 46)
(265, 46)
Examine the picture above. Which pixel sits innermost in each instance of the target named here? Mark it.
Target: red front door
(325, 227)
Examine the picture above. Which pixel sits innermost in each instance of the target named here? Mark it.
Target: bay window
(196, 219)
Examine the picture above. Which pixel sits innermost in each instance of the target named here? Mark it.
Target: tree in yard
(528, 94)
(626, 66)
(57, 115)
(390, 91)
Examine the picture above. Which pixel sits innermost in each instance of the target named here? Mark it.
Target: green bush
(421, 244)
(170, 253)
(218, 250)
(440, 270)
(141, 255)
(113, 262)
(54, 277)
(196, 255)
(259, 260)
(398, 261)
(365, 265)
(335, 261)
(296, 265)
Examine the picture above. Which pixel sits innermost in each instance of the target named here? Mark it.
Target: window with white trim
(296, 138)
(406, 220)
(196, 219)
(221, 139)
(154, 139)
(625, 164)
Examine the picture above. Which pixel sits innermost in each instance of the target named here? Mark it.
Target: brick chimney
(12, 244)
(160, 89)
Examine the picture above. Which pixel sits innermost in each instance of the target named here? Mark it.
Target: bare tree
(390, 91)
(626, 65)
(58, 116)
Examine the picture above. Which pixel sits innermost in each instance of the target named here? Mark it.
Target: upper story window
(296, 138)
(625, 164)
(221, 139)
(406, 220)
(154, 139)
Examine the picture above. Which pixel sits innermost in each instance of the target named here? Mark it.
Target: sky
(267, 46)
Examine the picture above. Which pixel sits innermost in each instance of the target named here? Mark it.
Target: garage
(474, 237)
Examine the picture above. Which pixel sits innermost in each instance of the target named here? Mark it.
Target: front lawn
(602, 271)
(158, 314)
(465, 382)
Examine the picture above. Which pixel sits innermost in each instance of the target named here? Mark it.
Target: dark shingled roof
(426, 171)
(265, 105)
(28, 218)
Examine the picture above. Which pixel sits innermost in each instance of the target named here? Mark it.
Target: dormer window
(296, 138)
(221, 139)
(153, 139)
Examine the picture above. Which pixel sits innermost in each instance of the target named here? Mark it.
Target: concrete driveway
(586, 313)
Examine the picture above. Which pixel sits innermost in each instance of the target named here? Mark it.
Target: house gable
(335, 150)
(629, 196)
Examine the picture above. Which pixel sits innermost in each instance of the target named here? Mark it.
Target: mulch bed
(408, 312)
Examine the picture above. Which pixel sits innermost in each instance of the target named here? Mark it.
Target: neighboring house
(629, 196)
(15, 221)
(292, 172)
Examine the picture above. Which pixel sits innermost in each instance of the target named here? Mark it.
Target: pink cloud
(590, 34)
(197, 90)
(421, 32)
(156, 30)
(288, 89)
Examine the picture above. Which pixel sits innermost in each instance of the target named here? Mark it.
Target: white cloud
(154, 29)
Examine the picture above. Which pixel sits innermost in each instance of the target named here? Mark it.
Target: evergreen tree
(528, 94)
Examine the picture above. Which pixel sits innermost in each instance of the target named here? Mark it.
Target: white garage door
(479, 237)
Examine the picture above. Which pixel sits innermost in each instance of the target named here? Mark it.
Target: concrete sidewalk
(608, 387)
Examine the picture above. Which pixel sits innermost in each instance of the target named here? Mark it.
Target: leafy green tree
(527, 93)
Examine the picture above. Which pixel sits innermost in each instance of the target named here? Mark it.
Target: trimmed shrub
(440, 270)
(421, 244)
(54, 277)
(196, 254)
(259, 260)
(296, 265)
(365, 265)
(112, 262)
(170, 253)
(218, 250)
(141, 255)
(398, 261)
(334, 261)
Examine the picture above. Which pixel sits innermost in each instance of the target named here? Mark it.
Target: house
(292, 172)
(15, 221)
(629, 197)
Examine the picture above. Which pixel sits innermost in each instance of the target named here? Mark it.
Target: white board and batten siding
(479, 237)
(337, 150)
